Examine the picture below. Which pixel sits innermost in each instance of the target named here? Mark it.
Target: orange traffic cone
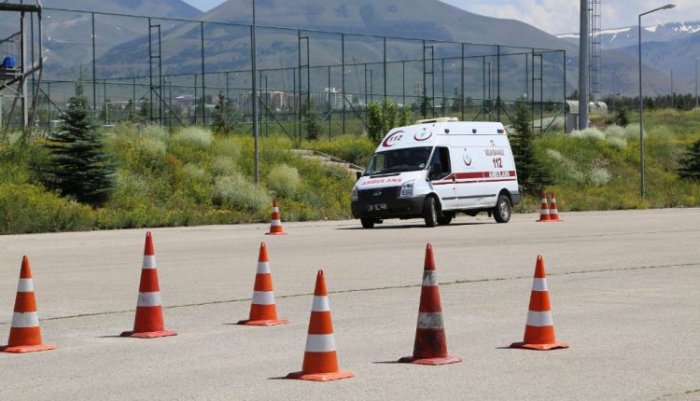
(149, 312)
(263, 311)
(320, 359)
(25, 333)
(553, 212)
(276, 221)
(539, 330)
(544, 209)
(430, 346)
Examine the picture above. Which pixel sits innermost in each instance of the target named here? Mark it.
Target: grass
(194, 177)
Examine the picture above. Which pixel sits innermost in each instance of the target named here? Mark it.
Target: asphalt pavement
(623, 287)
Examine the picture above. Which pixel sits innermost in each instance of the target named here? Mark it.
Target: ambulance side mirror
(358, 174)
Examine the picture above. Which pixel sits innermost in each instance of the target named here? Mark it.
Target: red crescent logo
(417, 138)
(467, 160)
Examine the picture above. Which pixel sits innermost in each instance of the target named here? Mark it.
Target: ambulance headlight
(355, 197)
(406, 189)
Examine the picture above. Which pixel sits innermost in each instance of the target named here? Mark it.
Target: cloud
(562, 16)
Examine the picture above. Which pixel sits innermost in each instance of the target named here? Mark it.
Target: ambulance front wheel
(502, 210)
(430, 214)
(445, 219)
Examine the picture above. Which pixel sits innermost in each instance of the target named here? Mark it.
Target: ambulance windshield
(399, 160)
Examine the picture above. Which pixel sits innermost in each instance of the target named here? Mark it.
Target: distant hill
(619, 38)
(67, 39)
(666, 47)
(123, 46)
(423, 19)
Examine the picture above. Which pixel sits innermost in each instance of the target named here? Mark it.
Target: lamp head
(668, 6)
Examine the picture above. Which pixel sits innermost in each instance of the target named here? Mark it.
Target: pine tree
(690, 163)
(532, 175)
(78, 165)
(222, 115)
(313, 125)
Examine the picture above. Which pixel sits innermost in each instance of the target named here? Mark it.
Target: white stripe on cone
(25, 285)
(263, 297)
(149, 261)
(149, 299)
(429, 278)
(539, 284)
(321, 304)
(428, 320)
(263, 267)
(539, 319)
(275, 223)
(320, 343)
(25, 320)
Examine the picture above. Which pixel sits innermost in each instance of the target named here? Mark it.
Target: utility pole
(583, 68)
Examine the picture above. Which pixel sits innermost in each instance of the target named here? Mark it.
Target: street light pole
(641, 100)
(696, 82)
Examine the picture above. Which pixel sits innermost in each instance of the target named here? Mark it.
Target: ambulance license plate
(376, 208)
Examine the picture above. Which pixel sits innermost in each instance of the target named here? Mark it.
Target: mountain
(67, 33)
(123, 44)
(667, 47)
(403, 18)
(629, 36)
(227, 48)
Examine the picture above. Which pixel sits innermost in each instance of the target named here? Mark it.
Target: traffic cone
(276, 221)
(544, 209)
(25, 333)
(149, 312)
(263, 311)
(430, 346)
(320, 359)
(553, 212)
(539, 330)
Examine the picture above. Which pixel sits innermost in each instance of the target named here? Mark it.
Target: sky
(562, 16)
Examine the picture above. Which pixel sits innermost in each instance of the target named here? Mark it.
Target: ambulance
(436, 169)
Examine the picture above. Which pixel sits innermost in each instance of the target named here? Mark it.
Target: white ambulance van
(435, 169)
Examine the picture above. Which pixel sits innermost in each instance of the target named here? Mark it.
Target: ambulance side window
(440, 164)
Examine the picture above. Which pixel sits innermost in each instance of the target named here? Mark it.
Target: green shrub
(234, 190)
(283, 180)
(196, 136)
(29, 208)
(592, 134)
(223, 165)
(599, 176)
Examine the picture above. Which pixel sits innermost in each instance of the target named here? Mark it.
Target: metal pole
(672, 94)
(342, 56)
(385, 76)
(498, 84)
(584, 43)
(641, 114)
(254, 98)
(461, 106)
(696, 83)
(204, 86)
(442, 85)
(94, 68)
(641, 100)
(330, 106)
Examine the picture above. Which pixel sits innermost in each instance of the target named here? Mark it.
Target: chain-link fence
(180, 72)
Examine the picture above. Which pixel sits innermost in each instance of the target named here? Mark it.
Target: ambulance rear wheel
(430, 212)
(367, 223)
(502, 210)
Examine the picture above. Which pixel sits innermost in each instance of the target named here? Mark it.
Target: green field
(194, 177)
